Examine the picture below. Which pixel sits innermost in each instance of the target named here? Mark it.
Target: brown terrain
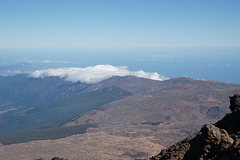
(220, 141)
(155, 116)
(99, 145)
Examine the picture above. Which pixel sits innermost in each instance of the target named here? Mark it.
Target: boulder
(235, 103)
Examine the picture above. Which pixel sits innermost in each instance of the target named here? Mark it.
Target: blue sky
(119, 23)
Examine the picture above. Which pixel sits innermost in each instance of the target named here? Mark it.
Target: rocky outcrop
(235, 103)
(219, 141)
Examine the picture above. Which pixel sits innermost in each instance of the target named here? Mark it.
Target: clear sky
(119, 23)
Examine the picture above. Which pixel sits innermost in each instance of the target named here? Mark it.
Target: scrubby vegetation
(40, 134)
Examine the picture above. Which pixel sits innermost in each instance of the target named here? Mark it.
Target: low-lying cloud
(94, 74)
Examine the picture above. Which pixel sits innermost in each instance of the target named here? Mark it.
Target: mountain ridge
(155, 113)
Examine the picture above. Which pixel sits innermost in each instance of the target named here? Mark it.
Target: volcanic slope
(157, 113)
(166, 111)
(21, 92)
(53, 114)
(218, 141)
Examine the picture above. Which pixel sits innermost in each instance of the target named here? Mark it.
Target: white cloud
(211, 65)
(94, 74)
(64, 62)
(25, 60)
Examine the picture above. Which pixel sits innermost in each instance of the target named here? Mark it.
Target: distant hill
(29, 104)
(22, 91)
(51, 113)
(181, 104)
(174, 100)
(157, 113)
(128, 102)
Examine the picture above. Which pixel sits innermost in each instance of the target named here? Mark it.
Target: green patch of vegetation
(43, 134)
(58, 111)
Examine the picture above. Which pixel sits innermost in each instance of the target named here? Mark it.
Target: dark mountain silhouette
(218, 141)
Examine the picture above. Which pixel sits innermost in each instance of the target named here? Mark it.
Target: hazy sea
(219, 64)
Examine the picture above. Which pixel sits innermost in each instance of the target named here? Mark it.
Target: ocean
(218, 64)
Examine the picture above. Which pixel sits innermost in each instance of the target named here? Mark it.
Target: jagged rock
(176, 151)
(208, 143)
(220, 141)
(235, 103)
(235, 148)
(231, 123)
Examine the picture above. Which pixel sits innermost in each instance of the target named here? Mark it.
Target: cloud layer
(94, 74)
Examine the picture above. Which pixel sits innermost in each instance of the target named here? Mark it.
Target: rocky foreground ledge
(219, 141)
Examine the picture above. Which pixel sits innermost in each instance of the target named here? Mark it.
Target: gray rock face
(219, 141)
(208, 143)
(235, 103)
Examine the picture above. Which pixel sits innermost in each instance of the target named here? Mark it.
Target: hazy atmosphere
(197, 39)
(219, 64)
(119, 79)
(119, 23)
